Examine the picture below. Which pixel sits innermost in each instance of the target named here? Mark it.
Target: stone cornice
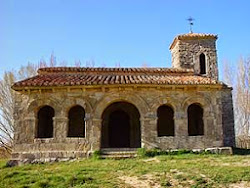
(102, 88)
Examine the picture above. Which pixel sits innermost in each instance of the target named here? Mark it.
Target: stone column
(209, 126)
(218, 136)
(181, 129)
(28, 130)
(95, 134)
(148, 132)
(88, 122)
(60, 128)
(181, 124)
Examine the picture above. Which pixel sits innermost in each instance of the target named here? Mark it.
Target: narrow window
(45, 122)
(202, 64)
(165, 122)
(195, 120)
(76, 122)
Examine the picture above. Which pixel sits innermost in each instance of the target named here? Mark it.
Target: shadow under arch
(107, 100)
(195, 120)
(121, 126)
(45, 122)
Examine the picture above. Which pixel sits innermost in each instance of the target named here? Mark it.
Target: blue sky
(108, 32)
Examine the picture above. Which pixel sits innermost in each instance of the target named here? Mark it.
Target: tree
(239, 77)
(242, 97)
(6, 110)
(7, 98)
(7, 102)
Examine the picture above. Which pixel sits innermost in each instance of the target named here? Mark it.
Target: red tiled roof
(73, 76)
(196, 35)
(121, 70)
(192, 36)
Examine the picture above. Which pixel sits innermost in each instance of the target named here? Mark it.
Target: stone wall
(228, 118)
(185, 54)
(216, 103)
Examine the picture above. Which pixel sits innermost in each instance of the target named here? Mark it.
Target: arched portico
(121, 126)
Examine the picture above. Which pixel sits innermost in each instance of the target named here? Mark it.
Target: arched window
(76, 122)
(202, 64)
(195, 120)
(45, 122)
(165, 121)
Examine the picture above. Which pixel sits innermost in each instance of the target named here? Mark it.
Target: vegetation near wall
(185, 170)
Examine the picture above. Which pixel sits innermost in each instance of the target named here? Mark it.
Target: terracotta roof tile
(72, 76)
(192, 36)
(96, 70)
(196, 35)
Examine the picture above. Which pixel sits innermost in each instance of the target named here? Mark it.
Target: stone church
(69, 112)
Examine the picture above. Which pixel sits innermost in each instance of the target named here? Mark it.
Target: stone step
(119, 149)
(118, 153)
(118, 156)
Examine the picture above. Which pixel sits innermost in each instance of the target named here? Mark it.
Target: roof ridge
(48, 70)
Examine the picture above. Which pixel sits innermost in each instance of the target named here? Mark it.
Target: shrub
(141, 152)
(183, 151)
(96, 154)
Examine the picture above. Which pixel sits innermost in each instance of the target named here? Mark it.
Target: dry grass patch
(144, 181)
(243, 184)
(153, 160)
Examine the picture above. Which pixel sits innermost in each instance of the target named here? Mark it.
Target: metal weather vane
(191, 23)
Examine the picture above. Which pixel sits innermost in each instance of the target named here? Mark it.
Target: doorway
(121, 126)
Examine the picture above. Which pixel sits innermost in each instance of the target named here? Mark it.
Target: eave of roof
(74, 76)
(192, 36)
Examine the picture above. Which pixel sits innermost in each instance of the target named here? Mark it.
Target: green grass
(187, 170)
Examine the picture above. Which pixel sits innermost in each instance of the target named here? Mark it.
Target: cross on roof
(191, 23)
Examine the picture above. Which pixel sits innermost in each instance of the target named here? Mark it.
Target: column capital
(96, 119)
(60, 118)
(30, 118)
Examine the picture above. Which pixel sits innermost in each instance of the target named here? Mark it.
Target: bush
(141, 152)
(183, 151)
(96, 154)
(153, 153)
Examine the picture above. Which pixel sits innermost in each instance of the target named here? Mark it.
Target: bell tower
(196, 51)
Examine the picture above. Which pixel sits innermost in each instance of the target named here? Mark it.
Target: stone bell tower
(196, 51)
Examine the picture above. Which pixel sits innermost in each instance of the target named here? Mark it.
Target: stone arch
(137, 101)
(204, 102)
(206, 105)
(71, 102)
(163, 101)
(196, 58)
(121, 126)
(34, 106)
